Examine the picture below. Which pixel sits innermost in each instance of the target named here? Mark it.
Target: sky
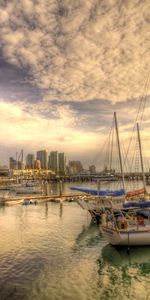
(65, 67)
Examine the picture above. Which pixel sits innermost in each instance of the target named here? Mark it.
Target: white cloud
(80, 49)
(32, 132)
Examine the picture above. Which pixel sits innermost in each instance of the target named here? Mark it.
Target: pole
(141, 158)
(118, 142)
(60, 188)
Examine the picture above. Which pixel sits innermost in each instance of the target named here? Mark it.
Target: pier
(40, 199)
(45, 178)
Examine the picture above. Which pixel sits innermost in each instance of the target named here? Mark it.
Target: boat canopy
(137, 204)
(136, 192)
(115, 193)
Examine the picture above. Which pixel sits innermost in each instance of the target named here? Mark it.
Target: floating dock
(39, 199)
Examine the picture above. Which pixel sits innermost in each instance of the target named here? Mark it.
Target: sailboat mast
(118, 142)
(141, 157)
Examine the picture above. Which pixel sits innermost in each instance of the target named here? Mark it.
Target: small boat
(29, 202)
(126, 228)
(28, 190)
(131, 236)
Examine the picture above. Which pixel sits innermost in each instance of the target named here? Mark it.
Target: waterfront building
(75, 167)
(21, 165)
(13, 164)
(53, 161)
(30, 161)
(42, 155)
(4, 171)
(62, 163)
(92, 169)
(37, 164)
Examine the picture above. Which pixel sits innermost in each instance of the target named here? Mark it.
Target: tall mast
(141, 157)
(118, 142)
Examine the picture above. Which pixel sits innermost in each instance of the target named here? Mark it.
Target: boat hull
(126, 238)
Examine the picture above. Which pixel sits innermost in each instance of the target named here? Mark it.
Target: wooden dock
(40, 199)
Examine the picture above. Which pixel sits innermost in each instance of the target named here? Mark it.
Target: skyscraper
(75, 167)
(37, 164)
(92, 169)
(43, 157)
(62, 163)
(30, 161)
(13, 164)
(53, 161)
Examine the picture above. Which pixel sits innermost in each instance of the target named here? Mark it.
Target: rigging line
(133, 158)
(146, 90)
(125, 162)
(103, 147)
(106, 160)
(112, 144)
(145, 141)
(98, 154)
(138, 111)
(142, 96)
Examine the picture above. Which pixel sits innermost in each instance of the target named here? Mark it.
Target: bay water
(53, 251)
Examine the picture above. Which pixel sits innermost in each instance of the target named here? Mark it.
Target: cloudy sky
(65, 67)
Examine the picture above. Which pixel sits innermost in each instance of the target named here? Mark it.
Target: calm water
(53, 252)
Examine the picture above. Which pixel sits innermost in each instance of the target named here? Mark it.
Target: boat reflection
(88, 237)
(124, 274)
(122, 257)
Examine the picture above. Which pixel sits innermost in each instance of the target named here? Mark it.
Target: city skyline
(65, 67)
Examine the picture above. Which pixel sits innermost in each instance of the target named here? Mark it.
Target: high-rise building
(30, 161)
(75, 167)
(62, 163)
(13, 164)
(21, 165)
(43, 157)
(53, 161)
(37, 164)
(92, 169)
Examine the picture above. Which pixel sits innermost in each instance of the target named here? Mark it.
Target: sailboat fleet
(124, 217)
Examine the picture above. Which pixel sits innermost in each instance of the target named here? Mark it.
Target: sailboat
(93, 200)
(128, 229)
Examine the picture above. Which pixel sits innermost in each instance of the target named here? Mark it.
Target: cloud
(20, 129)
(66, 128)
(79, 50)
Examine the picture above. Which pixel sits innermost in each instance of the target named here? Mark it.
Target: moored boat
(131, 234)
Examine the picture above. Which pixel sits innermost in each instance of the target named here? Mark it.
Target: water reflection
(46, 210)
(121, 257)
(88, 237)
(124, 275)
(50, 251)
(60, 209)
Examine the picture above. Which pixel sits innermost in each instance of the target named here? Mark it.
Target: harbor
(53, 251)
(75, 150)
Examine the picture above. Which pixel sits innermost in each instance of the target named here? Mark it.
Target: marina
(52, 250)
(75, 150)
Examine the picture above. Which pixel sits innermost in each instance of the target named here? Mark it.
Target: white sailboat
(129, 230)
(94, 200)
(132, 236)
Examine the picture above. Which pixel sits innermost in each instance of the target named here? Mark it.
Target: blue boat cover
(144, 212)
(137, 204)
(99, 192)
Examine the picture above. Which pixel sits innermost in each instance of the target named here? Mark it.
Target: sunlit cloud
(79, 50)
(21, 130)
(66, 66)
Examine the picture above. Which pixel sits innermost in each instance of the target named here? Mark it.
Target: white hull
(140, 237)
